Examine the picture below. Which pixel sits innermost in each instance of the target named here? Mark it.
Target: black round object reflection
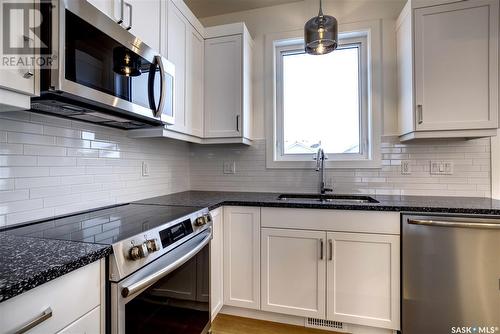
(125, 62)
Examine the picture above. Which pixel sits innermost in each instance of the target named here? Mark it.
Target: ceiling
(206, 8)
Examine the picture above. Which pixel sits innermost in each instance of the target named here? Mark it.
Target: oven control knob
(138, 252)
(153, 245)
(200, 221)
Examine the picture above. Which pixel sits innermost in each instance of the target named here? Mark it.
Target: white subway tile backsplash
(11, 149)
(28, 138)
(52, 166)
(471, 176)
(17, 160)
(41, 150)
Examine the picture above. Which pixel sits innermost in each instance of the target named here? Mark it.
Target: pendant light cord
(320, 8)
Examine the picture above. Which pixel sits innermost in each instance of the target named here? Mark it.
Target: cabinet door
(194, 82)
(16, 78)
(223, 86)
(242, 257)
(176, 51)
(456, 66)
(146, 19)
(90, 323)
(109, 7)
(363, 279)
(216, 263)
(294, 272)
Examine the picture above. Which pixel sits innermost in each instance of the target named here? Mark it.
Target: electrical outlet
(405, 167)
(145, 168)
(441, 168)
(229, 167)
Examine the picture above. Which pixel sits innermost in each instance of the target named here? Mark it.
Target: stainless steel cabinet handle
(330, 249)
(479, 224)
(420, 114)
(321, 249)
(148, 281)
(28, 75)
(35, 322)
(129, 6)
(122, 5)
(237, 123)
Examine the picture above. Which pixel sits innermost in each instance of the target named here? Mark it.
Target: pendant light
(321, 33)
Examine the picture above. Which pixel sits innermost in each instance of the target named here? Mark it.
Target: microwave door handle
(146, 282)
(157, 111)
(163, 87)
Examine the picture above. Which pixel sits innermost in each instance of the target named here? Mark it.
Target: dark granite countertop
(26, 263)
(430, 204)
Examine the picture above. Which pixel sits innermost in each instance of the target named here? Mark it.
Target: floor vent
(326, 325)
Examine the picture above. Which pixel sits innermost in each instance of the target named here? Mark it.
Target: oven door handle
(147, 281)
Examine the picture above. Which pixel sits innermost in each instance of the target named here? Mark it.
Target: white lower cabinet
(216, 262)
(363, 279)
(68, 299)
(294, 272)
(242, 257)
(88, 324)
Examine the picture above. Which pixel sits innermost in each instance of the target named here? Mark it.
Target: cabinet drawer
(90, 323)
(69, 297)
(332, 220)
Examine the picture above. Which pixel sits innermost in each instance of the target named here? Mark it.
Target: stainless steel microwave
(101, 72)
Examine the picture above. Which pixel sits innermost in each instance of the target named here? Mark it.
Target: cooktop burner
(105, 226)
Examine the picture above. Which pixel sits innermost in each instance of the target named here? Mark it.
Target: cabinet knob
(28, 75)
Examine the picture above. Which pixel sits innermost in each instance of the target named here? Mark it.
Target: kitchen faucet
(320, 167)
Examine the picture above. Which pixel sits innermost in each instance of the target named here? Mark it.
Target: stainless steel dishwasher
(451, 274)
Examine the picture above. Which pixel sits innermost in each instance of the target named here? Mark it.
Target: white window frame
(287, 48)
(368, 34)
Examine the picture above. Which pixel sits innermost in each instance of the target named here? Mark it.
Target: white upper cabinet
(194, 82)
(448, 69)
(228, 82)
(144, 18)
(17, 84)
(294, 272)
(141, 17)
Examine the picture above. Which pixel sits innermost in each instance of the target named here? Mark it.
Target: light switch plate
(229, 167)
(405, 167)
(441, 167)
(145, 168)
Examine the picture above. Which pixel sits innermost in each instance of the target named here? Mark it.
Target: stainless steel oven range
(160, 279)
(158, 274)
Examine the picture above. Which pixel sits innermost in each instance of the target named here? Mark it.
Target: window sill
(332, 164)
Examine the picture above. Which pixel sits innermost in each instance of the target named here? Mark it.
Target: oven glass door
(95, 60)
(177, 304)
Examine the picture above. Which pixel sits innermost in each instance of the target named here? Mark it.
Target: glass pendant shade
(126, 62)
(321, 34)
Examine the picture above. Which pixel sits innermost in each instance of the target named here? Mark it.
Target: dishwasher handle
(493, 224)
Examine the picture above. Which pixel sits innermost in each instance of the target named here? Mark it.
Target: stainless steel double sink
(344, 199)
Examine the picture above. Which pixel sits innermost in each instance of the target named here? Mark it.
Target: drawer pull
(35, 322)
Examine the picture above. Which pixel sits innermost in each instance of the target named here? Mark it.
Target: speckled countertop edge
(26, 263)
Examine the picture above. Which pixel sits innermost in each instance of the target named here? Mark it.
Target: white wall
(293, 16)
(52, 166)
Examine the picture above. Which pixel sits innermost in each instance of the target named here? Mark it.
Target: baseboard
(293, 320)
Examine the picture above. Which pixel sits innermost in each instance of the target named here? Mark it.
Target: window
(323, 101)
